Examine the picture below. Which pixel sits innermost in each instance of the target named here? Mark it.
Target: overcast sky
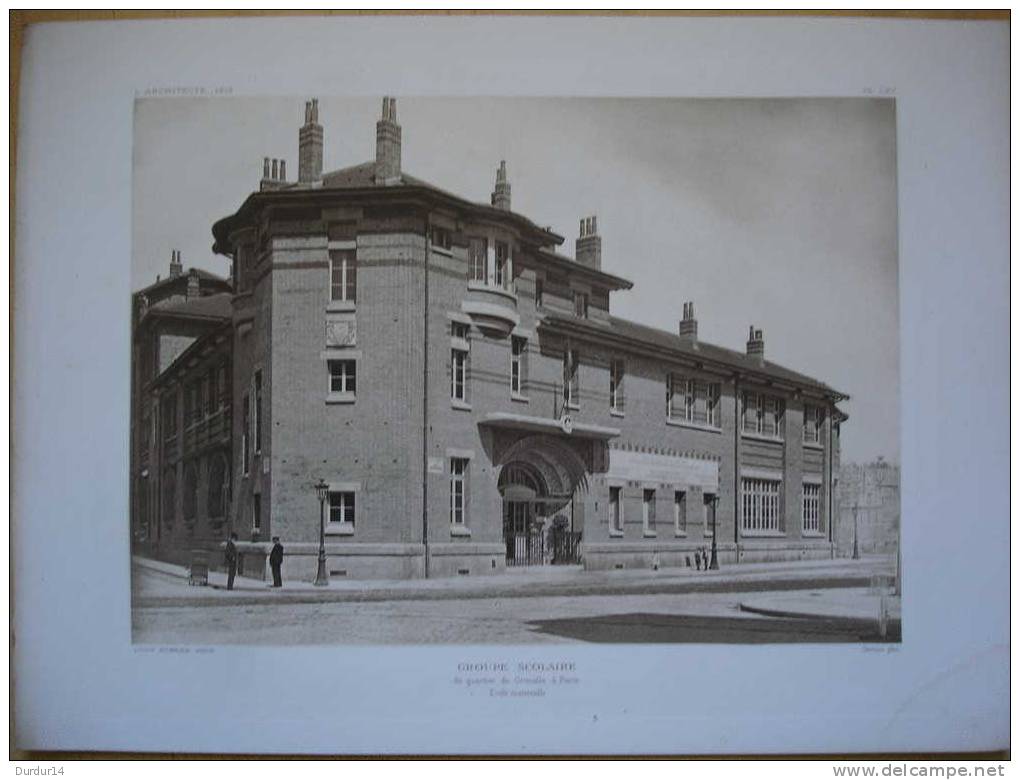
(780, 213)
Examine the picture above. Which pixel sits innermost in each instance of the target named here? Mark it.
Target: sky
(777, 213)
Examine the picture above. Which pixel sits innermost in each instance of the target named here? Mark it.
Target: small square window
(342, 376)
(341, 507)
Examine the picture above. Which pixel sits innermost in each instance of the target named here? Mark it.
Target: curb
(844, 620)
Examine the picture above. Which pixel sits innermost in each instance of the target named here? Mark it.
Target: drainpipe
(737, 422)
(425, 411)
(829, 491)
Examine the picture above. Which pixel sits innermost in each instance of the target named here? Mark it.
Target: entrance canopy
(562, 427)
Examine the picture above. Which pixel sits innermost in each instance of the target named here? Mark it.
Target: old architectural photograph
(514, 371)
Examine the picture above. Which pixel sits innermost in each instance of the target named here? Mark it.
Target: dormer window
(442, 238)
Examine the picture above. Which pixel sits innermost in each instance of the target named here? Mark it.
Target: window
(680, 398)
(459, 352)
(571, 381)
(342, 376)
(760, 506)
(581, 304)
(256, 514)
(190, 497)
(222, 388)
(212, 398)
(458, 492)
(479, 252)
(258, 411)
(714, 392)
(245, 427)
(615, 511)
(680, 512)
(343, 275)
(502, 275)
(814, 416)
(341, 507)
(169, 415)
(169, 497)
(518, 352)
(763, 415)
(539, 293)
(616, 385)
(219, 487)
(708, 513)
(442, 238)
(810, 517)
(648, 511)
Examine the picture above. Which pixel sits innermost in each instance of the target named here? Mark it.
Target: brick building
(873, 489)
(462, 386)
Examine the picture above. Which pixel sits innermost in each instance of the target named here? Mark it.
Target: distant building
(465, 392)
(874, 489)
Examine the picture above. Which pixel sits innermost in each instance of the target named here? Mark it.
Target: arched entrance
(537, 482)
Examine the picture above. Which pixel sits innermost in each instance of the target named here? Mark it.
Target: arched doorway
(523, 490)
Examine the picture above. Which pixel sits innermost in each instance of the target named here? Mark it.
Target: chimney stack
(274, 174)
(689, 325)
(175, 263)
(588, 247)
(193, 287)
(501, 193)
(310, 145)
(756, 344)
(387, 144)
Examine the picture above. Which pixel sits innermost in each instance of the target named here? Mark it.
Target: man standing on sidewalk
(230, 556)
(276, 561)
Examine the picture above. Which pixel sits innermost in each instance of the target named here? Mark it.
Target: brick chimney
(175, 263)
(310, 145)
(688, 325)
(274, 174)
(501, 193)
(387, 144)
(756, 344)
(193, 287)
(588, 246)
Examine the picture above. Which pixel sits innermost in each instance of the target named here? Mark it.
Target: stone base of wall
(471, 560)
(652, 554)
(785, 550)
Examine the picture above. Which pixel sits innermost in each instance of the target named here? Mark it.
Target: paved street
(564, 607)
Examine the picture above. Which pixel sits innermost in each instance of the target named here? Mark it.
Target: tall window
(343, 275)
(258, 411)
(712, 411)
(581, 304)
(680, 512)
(763, 415)
(539, 293)
(343, 376)
(813, 418)
(518, 353)
(190, 497)
(812, 494)
(341, 507)
(502, 270)
(169, 415)
(212, 399)
(256, 514)
(169, 497)
(479, 249)
(708, 513)
(571, 380)
(760, 506)
(680, 398)
(459, 352)
(458, 490)
(648, 511)
(616, 385)
(615, 510)
(245, 429)
(219, 487)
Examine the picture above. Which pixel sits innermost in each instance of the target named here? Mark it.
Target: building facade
(868, 508)
(473, 404)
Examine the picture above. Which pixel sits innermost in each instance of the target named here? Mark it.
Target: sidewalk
(846, 605)
(167, 583)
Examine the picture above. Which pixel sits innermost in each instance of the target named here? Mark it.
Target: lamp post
(322, 490)
(857, 550)
(715, 557)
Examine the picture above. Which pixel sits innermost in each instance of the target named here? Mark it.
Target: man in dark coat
(230, 557)
(276, 561)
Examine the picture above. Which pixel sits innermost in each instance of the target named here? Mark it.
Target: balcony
(491, 307)
(209, 431)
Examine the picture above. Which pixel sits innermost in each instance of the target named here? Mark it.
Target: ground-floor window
(812, 494)
(680, 512)
(256, 514)
(341, 507)
(760, 505)
(458, 491)
(708, 513)
(648, 511)
(615, 510)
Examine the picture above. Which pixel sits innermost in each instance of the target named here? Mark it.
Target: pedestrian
(697, 558)
(276, 561)
(230, 556)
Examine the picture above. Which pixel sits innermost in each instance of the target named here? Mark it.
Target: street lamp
(322, 490)
(857, 550)
(715, 558)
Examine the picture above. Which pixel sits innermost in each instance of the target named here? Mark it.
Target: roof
(635, 332)
(203, 276)
(216, 307)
